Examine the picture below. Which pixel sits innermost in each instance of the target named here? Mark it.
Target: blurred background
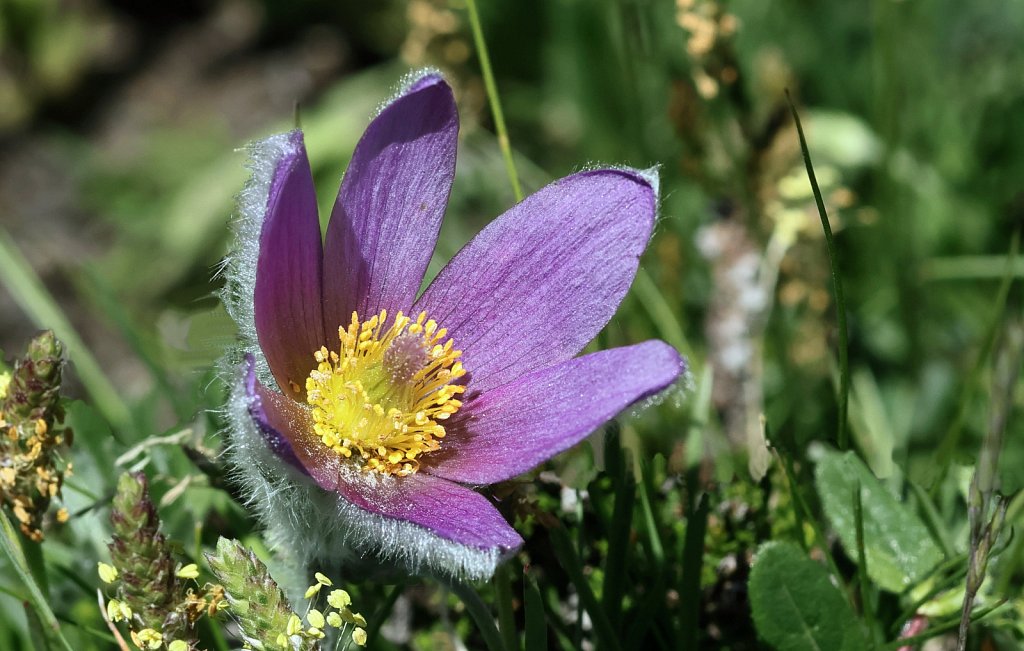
(121, 133)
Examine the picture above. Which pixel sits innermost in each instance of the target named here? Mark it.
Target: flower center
(385, 392)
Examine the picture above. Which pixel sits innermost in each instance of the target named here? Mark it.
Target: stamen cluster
(384, 394)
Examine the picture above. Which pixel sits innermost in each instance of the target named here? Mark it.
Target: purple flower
(365, 414)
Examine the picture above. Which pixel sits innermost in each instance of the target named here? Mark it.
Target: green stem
(506, 616)
(866, 599)
(480, 613)
(9, 541)
(492, 97)
(837, 284)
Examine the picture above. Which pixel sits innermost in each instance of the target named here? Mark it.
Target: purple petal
(446, 509)
(540, 281)
(287, 298)
(287, 428)
(449, 511)
(389, 210)
(511, 429)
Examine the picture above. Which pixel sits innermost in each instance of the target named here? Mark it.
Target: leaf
(795, 605)
(900, 550)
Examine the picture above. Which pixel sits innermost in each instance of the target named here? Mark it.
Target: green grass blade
(563, 548)
(689, 585)
(506, 616)
(11, 545)
(480, 613)
(619, 530)
(28, 291)
(492, 97)
(837, 285)
(536, 627)
(867, 601)
(947, 447)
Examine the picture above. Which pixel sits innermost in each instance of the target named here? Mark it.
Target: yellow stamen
(382, 395)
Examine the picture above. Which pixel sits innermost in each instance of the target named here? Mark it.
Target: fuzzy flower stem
(492, 97)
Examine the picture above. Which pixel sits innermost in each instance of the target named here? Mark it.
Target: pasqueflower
(364, 414)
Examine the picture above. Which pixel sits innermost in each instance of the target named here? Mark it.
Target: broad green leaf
(795, 605)
(899, 549)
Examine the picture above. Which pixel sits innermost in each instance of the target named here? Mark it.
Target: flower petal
(287, 429)
(511, 429)
(540, 281)
(287, 297)
(389, 209)
(445, 509)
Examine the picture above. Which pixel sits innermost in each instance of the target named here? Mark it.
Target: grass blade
(570, 562)
(9, 541)
(492, 97)
(536, 627)
(619, 529)
(506, 616)
(837, 285)
(480, 613)
(693, 561)
(866, 594)
(28, 291)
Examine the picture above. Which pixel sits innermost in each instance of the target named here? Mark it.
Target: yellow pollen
(383, 395)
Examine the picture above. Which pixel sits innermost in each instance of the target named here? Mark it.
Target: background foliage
(120, 126)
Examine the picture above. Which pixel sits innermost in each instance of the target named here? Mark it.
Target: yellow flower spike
(282, 641)
(339, 599)
(108, 573)
(177, 645)
(5, 381)
(294, 625)
(359, 637)
(323, 580)
(334, 619)
(315, 618)
(190, 571)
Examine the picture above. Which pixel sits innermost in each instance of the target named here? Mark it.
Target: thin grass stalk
(492, 98)
(866, 594)
(31, 295)
(480, 613)
(949, 442)
(506, 616)
(692, 562)
(533, 607)
(837, 286)
(10, 542)
(563, 547)
(808, 518)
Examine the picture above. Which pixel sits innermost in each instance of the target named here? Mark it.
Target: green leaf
(536, 626)
(795, 605)
(900, 550)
